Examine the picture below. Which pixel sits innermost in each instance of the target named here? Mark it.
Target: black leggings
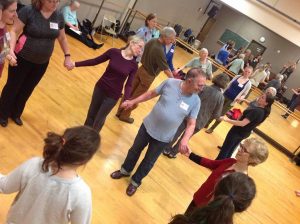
(21, 81)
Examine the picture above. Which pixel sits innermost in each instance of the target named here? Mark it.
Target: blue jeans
(154, 150)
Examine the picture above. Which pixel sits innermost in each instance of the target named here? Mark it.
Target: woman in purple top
(122, 65)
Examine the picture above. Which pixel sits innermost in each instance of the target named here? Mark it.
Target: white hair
(203, 50)
(168, 32)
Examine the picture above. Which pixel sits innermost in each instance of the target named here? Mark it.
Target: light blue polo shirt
(170, 110)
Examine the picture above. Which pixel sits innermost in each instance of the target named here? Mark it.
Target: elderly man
(153, 62)
(178, 101)
(72, 26)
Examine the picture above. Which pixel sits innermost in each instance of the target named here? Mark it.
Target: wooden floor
(61, 100)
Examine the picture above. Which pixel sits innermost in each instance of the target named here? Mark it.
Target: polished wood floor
(61, 100)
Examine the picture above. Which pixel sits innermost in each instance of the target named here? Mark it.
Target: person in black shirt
(241, 129)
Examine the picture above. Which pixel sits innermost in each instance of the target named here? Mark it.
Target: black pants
(21, 81)
(100, 107)
(232, 140)
(82, 38)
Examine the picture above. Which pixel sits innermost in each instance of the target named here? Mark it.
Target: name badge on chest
(241, 85)
(184, 106)
(53, 26)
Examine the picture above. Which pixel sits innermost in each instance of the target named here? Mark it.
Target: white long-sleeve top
(44, 198)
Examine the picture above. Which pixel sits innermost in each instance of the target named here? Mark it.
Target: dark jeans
(100, 107)
(231, 141)
(21, 81)
(154, 150)
(179, 133)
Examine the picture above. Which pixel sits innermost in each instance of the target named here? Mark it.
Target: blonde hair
(134, 39)
(259, 151)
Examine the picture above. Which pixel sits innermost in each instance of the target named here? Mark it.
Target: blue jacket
(169, 56)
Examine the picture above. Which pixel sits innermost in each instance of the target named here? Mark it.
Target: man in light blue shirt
(178, 101)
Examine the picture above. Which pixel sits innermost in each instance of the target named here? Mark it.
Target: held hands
(183, 148)
(127, 104)
(68, 63)
(224, 118)
(12, 58)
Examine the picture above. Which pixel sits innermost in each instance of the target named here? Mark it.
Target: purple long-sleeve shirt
(118, 70)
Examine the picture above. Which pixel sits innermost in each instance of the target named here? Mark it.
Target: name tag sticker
(172, 50)
(241, 85)
(184, 106)
(7, 35)
(53, 26)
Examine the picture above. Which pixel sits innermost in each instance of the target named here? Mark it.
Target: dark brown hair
(149, 17)
(75, 147)
(4, 4)
(37, 4)
(233, 193)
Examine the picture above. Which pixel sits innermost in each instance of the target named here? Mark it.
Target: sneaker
(118, 175)
(128, 120)
(131, 189)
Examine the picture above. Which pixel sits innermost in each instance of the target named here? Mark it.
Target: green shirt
(154, 58)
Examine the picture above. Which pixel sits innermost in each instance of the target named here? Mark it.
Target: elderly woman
(251, 152)
(40, 24)
(212, 100)
(72, 26)
(200, 62)
(7, 15)
(236, 91)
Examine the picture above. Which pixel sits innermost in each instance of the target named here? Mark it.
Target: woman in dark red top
(122, 65)
(251, 152)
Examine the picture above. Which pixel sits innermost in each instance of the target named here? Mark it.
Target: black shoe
(97, 46)
(219, 147)
(18, 121)
(3, 122)
(128, 120)
(284, 116)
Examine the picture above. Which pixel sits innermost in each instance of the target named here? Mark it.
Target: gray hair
(221, 80)
(259, 152)
(271, 90)
(203, 50)
(168, 32)
(75, 3)
(279, 77)
(242, 56)
(195, 72)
